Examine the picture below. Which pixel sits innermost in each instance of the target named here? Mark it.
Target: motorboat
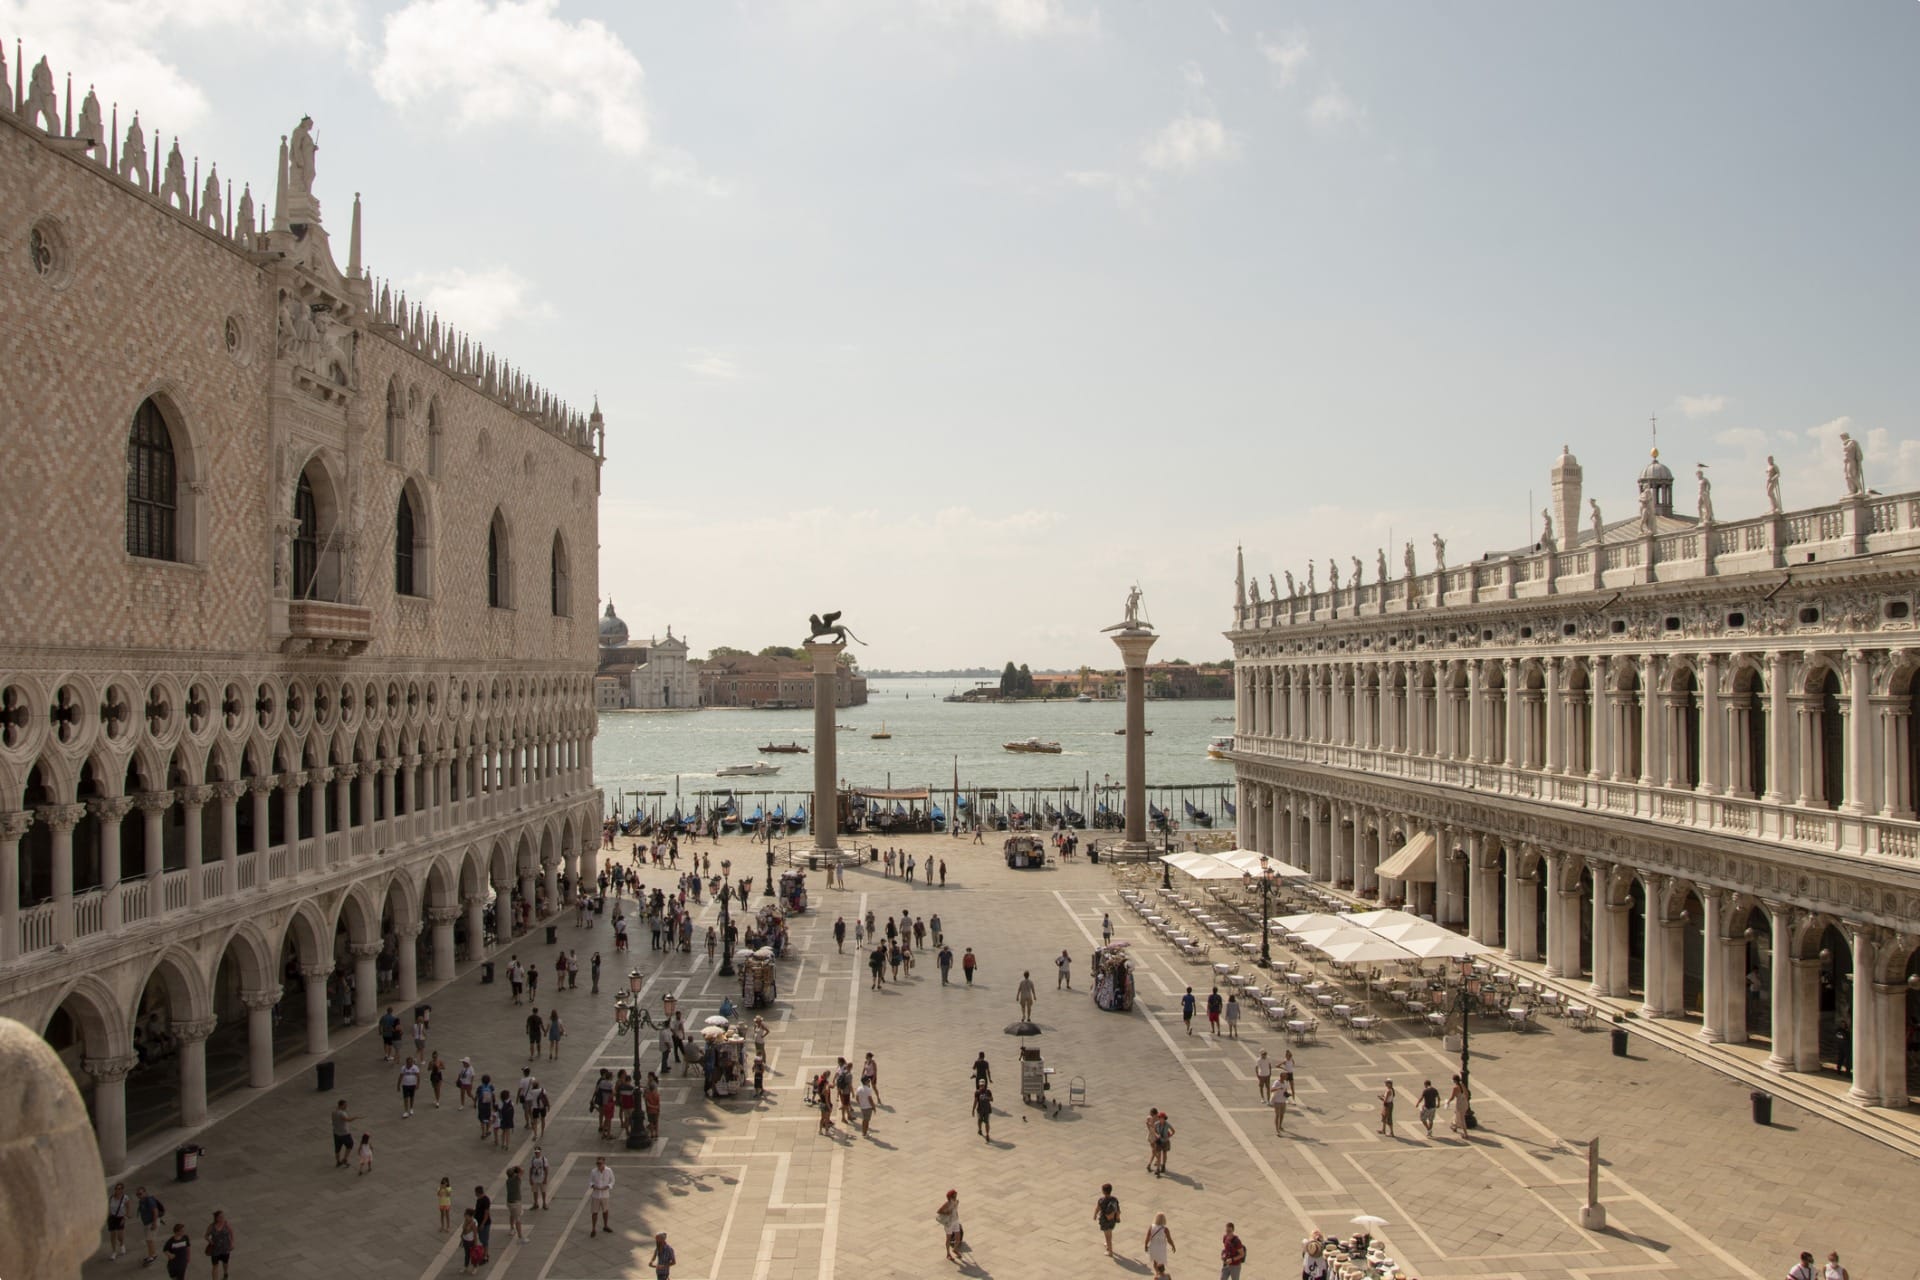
(784, 749)
(1121, 733)
(1085, 697)
(1033, 746)
(882, 735)
(1219, 746)
(757, 769)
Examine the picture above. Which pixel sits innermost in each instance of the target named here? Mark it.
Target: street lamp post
(1266, 886)
(1466, 969)
(1166, 851)
(769, 889)
(628, 1014)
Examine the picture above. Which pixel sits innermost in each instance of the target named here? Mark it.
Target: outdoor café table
(1520, 1015)
(1223, 969)
(1298, 1026)
(1523, 984)
(1437, 1021)
(1579, 1013)
(1236, 979)
(1416, 1006)
(1364, 1024)
(1343, 1012)
(1297, 979)
(1324, 1000)
(1152, 919)
(1315, 987)
(1551, 999)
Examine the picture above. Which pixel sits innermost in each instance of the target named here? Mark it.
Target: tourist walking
(389, 1036)
(515, 1226)
(1233, 1016)
(1106, 929)
(1457, 1103)
(119, 1209)
(178, 1251)
(1278, 1099)
(983, 1111)
(153, 1219)
(877, 964)
(503, 1121)
(596, 973)
(1233, 1253)
(840, 935)
(663, 1257)
(1386, 1110)
(1214, 1006)
(948, 1216)
(968, 964)
(443, 1201)
(342, 1135)
(1429, 1106)
(515, 976)
(1065, 966)
(945, 960)
(536, 1028)
(483, 1106)
(366, 1154)
(1833, 1270)
(538, 1171)
(1263, 1075)
(1803, 1269)
(933, 929)
(982, 1073)
(1106, 1214)
(1024, 995)
(1159, 1243)
(555, 1030)
(220, 1241)
(1313, 1257)
(864, 1098)
(409, 1085)
(870, 1076)
(419, 1036)
(1186, 1010)
(463, 1080)
(1160, 1140)
(436, 1076)
(599, 1198)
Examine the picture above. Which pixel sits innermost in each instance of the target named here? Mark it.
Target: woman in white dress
(948, 1216)
(1159, 1242)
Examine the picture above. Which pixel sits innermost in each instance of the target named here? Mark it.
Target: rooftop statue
(1593, 516)
(1409, 560)
(1256, 590)
(1647, 516)
(1132, 621)
(1853, 462)
(1439, 554)
(1706, 493)
(1273, 588)
(300, 158)
(1773, 486)
(1380, 563)
(1290, 589)
(1310, 586)
(1354, 581)
(829, 625)
(1333, 575)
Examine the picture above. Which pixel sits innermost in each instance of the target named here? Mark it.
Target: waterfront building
(780, 684)
(1672, 757)
(653, 676)
(296, 649)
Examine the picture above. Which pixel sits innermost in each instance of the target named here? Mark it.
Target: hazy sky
(960, 315)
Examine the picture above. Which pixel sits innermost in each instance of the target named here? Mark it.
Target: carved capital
(366, 950)
(407, 929)
(261, 999)
(321, 776)
(348, 772)
(294, 779)
(265, 784)
(316, 972)
(61, 817)
(109, 809)
(14, 823)
(415, 761)
(230, 791)
(109, 1070)
(154, 801)
(195, 797)
(443, 915)
(194, 1030)
(474, 902)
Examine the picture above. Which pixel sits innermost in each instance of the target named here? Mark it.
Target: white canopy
(1399, 925)
(1361, 946)
(1201, 866)
(1308, 920)
(1442, 946)
(1248, 860)
(1413, 862)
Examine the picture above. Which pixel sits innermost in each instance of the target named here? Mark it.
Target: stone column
(1600, 715)
(387, 793)
(1516, 909)
(407, 975)
(153, 807)
(1779, 724)
(1896, 800)
(1618, 957)
(1713, 751)
(477, 927)
(110, 1108)
(1477, 734)
(1733, 989)
(442, 920)
(229, 794)
(1652, 745)
(1134, 642)
(1658, 941)
(316, 992)
(1806, 1014)
(193, 1069)
(193, 801)
(1603, 940)
(1860, 796)
(108, 814)
(61, 820)
(1513, 752)
(13, 825)
(1866, 1029)
(1555, 754)
(262, 788)
(343, 776)
(368, 775)
(292, 783)
(325, 853)
(260, 1035)
(826, 749)
(1890, 1028)
(1713, 960)
(1780, 991)
(1556, 868)
(1317, 842)
(366, 982)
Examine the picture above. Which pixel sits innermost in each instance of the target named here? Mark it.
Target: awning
(1413, 862)
(898, 793)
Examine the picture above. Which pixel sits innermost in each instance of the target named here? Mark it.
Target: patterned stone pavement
(746, 1188)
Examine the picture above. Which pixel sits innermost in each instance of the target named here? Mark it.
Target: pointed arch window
(152, 487)
(404, 544)
(498, 576)
(560, 581)
(306, 540)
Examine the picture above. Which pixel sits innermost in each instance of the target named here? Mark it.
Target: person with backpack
(1106, 1214)
(153, 1217)
(1233, 1254)
(968, 964)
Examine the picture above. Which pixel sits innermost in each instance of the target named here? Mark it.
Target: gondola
(939, 817)
(778, 818)
(752, 821)
(1074, 818)
(1233, 813)
(1199, 817)
(797, 820)
(1156, 816)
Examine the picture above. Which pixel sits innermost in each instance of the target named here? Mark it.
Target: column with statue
(1134, 636)
(826, 642)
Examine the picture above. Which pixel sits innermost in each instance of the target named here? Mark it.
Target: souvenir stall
(769, 929)
(725, 1056)
(793, 890)
(1025, 851)
(758, 987)
(1113, 978)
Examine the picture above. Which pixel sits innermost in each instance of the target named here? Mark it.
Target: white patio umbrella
(1385, 919)
(1248, 860)
(1202, 866)
(1362, 946)
(1368, 1220)
(1305, 920)
(1442, 946)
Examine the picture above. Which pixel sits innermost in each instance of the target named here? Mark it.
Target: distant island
(970, 673)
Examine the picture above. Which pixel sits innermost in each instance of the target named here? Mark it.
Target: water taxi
(1217, 749)
(882, 735)
(1033, 746)
(784, 749)
(758, 769)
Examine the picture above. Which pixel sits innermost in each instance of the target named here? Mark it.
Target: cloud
(117, 46)
(1126, 189)
(1220, 21)
(713, 366)
(1332, 108)
(671, 169)
(1188, 142)
(1701, 406)
(1022, 19)
(480, 302)
(1288, 53)
(487, 61)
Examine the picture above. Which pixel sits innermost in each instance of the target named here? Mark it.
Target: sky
(961, 316)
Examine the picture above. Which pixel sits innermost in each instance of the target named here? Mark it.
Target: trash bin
(1762, 1106)
(486, 971)
(553, 934)
(323, 1077)
(1093, 855)
(873, 855)
(1619, 1042)
(186, 1158)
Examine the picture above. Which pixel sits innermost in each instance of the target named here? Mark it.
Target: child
(445, 1198)
(469, 1245)
(366, 1154)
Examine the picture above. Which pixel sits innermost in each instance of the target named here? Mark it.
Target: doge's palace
(1672, 758)
(297, 633)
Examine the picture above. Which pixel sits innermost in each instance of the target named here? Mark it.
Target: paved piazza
(747, 1189)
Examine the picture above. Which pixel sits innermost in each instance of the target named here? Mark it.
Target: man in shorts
(342, 1135)
(663, 1257)
(536, 1027)
(1186, 1010)
(153, 1217)
(1429, 1104)
(599, 1197)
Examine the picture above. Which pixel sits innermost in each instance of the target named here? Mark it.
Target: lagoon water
(664, 752)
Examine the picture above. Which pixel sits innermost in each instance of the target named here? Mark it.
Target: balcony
(325, 628)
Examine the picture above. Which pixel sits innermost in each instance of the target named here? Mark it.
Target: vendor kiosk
(1025, 851)
(793, 890)
(727, 1050)
(1113, 978)
(1033, 1075)
(758, 987)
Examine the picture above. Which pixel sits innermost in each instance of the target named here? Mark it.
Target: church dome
(1656, 471)
(613, 632)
